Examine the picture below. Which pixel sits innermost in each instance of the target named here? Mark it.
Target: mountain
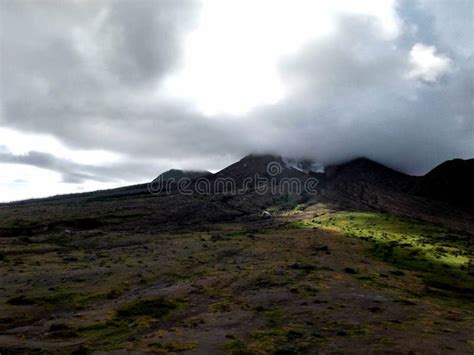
(179, 174)
(266, 165)
(365, 171)
(358, 184)
(363, 183)
(126, 268)
(451, 181)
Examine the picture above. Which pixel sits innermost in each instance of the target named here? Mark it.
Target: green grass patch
(107, 335)
(220, 307)
(274, 316)
(153, 308)
(443, 255)
(65, 297)
(289, 339)
(174, 346)
(128, 321)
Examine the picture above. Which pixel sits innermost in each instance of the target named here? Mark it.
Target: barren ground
(299, 283)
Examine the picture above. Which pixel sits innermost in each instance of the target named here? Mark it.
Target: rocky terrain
(374, 261)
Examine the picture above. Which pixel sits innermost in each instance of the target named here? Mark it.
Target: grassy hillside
(444, 257)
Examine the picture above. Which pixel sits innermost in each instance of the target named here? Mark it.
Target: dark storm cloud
(149, 32)
(351, 97)
(68, 63)
(88, 73)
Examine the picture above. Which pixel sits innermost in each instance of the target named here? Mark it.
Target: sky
(106, 93)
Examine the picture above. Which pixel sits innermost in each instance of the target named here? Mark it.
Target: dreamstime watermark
(272, 182)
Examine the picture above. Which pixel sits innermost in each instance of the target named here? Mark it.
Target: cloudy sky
(98, 94)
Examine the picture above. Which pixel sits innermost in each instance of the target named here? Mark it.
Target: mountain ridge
(353, 175)
(179, 174)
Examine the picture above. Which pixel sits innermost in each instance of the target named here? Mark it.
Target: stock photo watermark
(272, 182)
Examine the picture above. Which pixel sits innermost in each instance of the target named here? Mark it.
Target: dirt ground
(237, 287)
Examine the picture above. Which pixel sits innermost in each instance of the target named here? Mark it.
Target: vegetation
(153, 308)
(307, 279)
(443, 256)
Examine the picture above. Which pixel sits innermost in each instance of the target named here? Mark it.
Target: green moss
(236, 346)
(117, 291)
(287, 339)
(128, 321)
(299, 224)
(438, 253)
(175, 346)
(153, 308)
(65, 297)
(274, 316)
(107, 335)
(219, 307)
(267, 339)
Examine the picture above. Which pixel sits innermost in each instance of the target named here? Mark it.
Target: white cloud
(231, 59)
(327, 80)
(20, 143)
(427, 65)
(19, 182)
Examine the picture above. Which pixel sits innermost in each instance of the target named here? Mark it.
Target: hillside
(451, 182)
(364, 264)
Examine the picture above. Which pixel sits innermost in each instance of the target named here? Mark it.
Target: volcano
(245, 269)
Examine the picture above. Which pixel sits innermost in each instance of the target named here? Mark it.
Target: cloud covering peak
(196, 85)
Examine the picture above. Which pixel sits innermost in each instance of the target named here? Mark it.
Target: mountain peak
(250, 164)
(450, 181)
(268, 165)
(365, 170)
(253, 157)
(178, 174)
(363, 164)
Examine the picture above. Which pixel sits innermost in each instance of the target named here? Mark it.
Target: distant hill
(366, 171)
(179, 174)
(451, 181)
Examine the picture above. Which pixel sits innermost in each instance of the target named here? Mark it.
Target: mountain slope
(357, 184)
(451, 181)
(169, 272)
(268, 166)
(179, 174)
(366, 171)
(362, 184)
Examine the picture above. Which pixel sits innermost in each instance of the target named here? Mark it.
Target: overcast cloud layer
(81, 80)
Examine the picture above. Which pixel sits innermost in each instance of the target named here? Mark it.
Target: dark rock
(285, 351)
(322, 248)
(298, 266)
(81, 350)
(405, 302)
(21, 301)
(58, 326)
(294, 334)
(215, 237)
(350, 270)
(397, 273)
